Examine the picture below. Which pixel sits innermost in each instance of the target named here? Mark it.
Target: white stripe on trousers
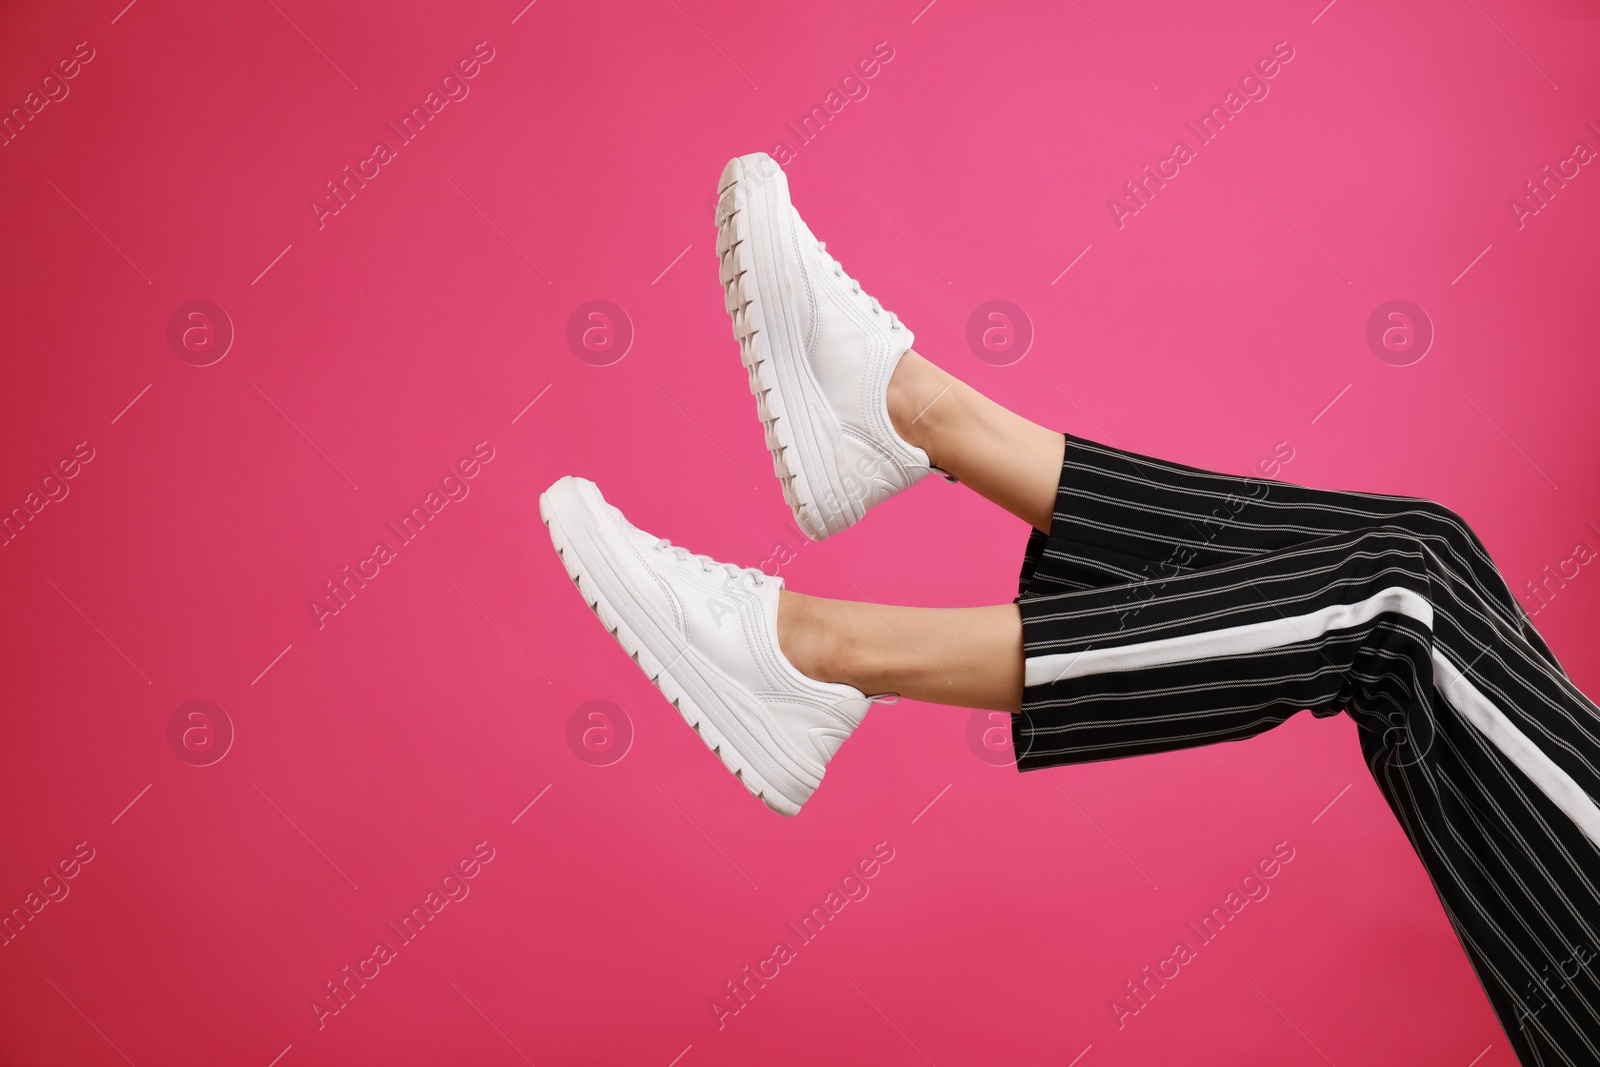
(1464, 697)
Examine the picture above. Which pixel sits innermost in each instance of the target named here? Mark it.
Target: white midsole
(780, 344)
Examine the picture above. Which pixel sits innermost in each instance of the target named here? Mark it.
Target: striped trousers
(1170, 607)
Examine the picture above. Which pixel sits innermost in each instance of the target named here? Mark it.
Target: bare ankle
(920, 402)
(813, 643)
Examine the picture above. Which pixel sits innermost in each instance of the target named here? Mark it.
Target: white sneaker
(706, 634)
(819, 352)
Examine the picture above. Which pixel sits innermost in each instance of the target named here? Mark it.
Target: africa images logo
(999, 332)
(453, 87)
(199, 732)
(453, 887)
(1138, 193)
(853, 887)
(199, 332)
(1399, 332)
(338, 593)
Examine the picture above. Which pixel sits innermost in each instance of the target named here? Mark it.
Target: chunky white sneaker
(819, 352)
(706, 634)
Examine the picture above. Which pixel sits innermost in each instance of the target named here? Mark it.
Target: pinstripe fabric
(1172, 607)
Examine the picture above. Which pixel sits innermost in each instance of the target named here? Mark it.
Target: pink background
(374, 753)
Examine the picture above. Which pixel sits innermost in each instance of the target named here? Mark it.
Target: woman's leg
(995, 452)
(967, 657)
(1118, 518)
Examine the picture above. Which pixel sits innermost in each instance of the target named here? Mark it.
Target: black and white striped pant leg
(1481, 745)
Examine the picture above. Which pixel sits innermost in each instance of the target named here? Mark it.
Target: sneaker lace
(855, 287)
(709, 565)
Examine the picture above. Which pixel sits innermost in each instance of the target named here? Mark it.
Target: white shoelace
(709, 565)
(855, 287)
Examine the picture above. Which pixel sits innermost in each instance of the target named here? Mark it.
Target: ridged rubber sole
(659, 673)
(749, 322)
